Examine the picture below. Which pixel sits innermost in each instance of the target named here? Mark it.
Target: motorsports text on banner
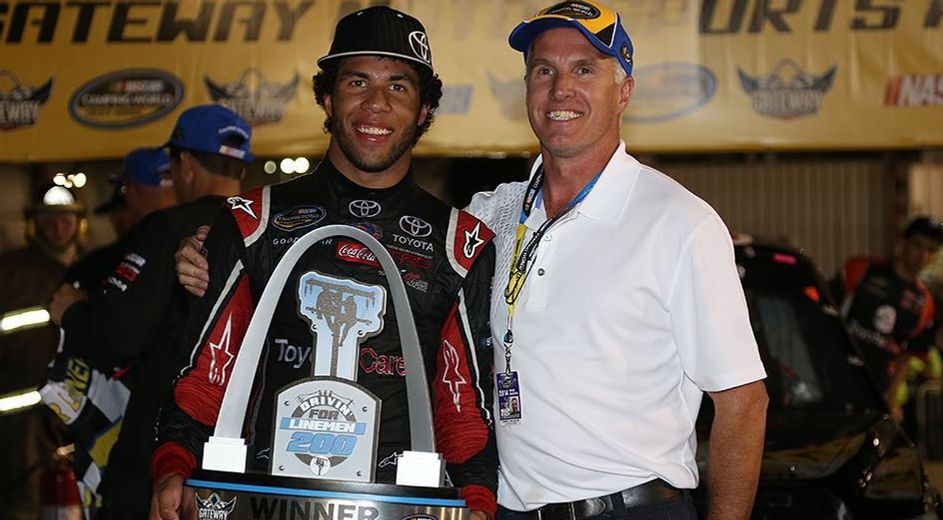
(82, 79)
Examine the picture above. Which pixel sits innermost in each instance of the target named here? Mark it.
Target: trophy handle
(227, 443)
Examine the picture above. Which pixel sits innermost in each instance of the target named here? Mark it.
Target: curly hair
(430, 91)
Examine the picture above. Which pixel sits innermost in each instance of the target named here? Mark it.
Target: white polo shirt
(632, 308)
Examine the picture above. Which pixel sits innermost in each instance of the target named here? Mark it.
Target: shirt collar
(608, 197)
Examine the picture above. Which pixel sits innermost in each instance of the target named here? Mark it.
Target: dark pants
(677, 509)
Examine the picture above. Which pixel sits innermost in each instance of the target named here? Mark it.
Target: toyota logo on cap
(364, 208)
(415, 226)
(419, 43)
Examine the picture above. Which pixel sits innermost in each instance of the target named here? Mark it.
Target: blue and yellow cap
(601, 25)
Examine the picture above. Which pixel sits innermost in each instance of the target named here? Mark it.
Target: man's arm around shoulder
(736, 450)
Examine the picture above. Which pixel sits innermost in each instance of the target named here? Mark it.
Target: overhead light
(19, 400)
(287, 166)
(270, 167)
(23, 318)
(302, 165)
(59, 179)
(79, 180)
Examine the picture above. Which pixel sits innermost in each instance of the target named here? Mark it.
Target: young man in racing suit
(888, 308)
(379, 93)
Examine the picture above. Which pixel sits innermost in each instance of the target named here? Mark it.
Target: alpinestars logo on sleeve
(242, 204)
(451, 375)
(472, 241)
(222, 356)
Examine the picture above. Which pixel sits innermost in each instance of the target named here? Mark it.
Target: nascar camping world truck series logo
(253, 97)
(787, 92)
(19, 103)
(126, 98)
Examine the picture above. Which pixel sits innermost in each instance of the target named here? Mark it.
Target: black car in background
(832, 451)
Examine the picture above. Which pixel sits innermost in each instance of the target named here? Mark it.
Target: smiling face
(375, 111)
(573, 100)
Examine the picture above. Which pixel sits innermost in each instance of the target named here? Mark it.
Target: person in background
(137, 318)
(28, 277)
(93, 406)
(888, 309)
(141, 186)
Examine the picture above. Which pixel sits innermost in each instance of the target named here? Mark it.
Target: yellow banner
(83, 79)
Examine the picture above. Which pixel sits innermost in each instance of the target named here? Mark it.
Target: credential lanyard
(524, 254)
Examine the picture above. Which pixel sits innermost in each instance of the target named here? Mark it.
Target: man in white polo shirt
(616, 305)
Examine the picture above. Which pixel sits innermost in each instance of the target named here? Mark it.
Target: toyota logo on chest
(415, 226)
(364, 208)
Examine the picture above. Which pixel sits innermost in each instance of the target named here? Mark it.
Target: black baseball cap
(380, 31)
(926, 226)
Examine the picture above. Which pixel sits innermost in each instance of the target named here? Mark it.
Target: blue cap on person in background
(145, 166)
(148, 166)
(600, 25)
(204, 128)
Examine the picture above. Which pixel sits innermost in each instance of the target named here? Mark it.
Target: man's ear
(625, 92)
(187, 165)
(423, 113)
(327, 103)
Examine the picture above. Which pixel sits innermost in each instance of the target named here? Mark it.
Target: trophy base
(237, 496)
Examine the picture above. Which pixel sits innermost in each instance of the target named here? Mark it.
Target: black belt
(652, 492)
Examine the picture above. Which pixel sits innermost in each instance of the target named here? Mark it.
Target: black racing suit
(136, 320)
(446, 259)
(887, 314)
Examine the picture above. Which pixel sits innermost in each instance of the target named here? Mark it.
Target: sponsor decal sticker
(415, 281)
(388, 365)
(415, 226)
(914, 90)
(356, 252)
(290, 354)
(214, 508)
(412, 242)
(299, 217)
(19, 103)
(127, 272)
(253, 97)
(242, 205)
(369, 228)
(668, 90)
(126, 98)
(472, 241)
(788, 92)
(451, 375)
(364, 208)
(222, 356)
(419, 43)
(135, 259)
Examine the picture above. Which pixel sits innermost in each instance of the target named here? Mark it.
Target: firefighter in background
(888, 309)
(28, 276)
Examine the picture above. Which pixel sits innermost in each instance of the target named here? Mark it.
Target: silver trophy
(325, 426)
